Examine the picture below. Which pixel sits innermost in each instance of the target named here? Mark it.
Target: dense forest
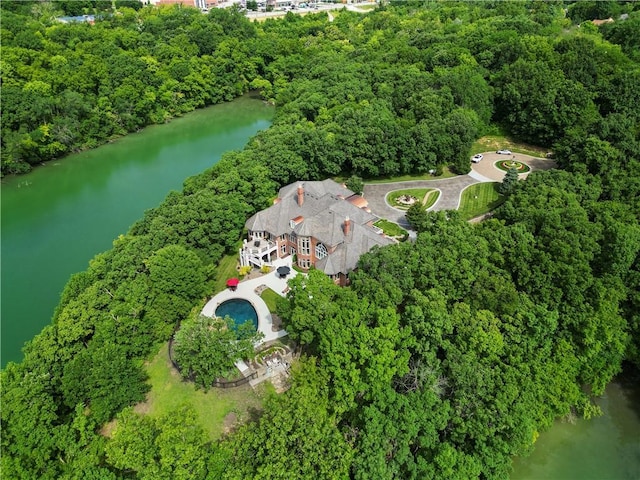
(446, 356)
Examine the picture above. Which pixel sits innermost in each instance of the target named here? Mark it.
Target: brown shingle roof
(323, 211)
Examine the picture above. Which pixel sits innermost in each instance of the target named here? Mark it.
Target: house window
(292, 250)
(304, 245)
(293, 238)
(304, 263)
(283, 249)
(321, 251)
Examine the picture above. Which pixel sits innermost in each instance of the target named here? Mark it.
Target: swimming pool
(239, 310)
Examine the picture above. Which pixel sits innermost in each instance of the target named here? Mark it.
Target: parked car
(504, 152)
(477, 157)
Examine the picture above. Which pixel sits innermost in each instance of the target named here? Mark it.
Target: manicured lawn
(418, 193)
(390, 229)
(505, 165)
(431, 198)
(479, 199)
(492, 143)
(225, 270)
(168, 392)
(270, 297)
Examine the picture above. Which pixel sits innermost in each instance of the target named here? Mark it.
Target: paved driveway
(450, 188)
(486, 167)
(449, 199)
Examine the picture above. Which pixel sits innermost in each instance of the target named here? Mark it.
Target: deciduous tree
(207, 348)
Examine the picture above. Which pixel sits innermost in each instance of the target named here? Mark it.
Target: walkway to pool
(247, 291)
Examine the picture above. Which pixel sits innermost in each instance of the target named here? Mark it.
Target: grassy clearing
(407, 178)
(492, 143)
(270, 297)
(479, 199)
(227, 268)
(168, 392)
(390, 229)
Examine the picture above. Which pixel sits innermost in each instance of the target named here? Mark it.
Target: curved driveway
(450, 188)
(487, 169)
(449, 199)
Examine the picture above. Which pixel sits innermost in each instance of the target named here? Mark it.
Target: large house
(323, 224)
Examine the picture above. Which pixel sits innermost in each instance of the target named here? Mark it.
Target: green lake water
(56, 218)
(602, 448)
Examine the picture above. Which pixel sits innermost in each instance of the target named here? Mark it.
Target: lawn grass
(270, 297)
(168, 392)
(227, 268)
(418, 193)
(446, 173)
(430, 199)
(479, 199)
(390, 229)
(520, 167)
(492, 143)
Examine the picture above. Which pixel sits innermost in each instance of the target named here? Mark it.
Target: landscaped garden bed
(506, 165)
(390, 229)
(403, 199)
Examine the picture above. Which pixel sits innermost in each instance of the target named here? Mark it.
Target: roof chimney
(300, 195)
(347, 226)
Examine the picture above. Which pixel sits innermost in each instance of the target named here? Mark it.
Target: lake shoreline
(604, 447)
(55, 220)
(251, 94)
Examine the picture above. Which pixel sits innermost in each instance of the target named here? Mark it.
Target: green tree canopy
(207, 348)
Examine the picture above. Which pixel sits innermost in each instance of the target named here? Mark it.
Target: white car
(477, 157)
(504, 152)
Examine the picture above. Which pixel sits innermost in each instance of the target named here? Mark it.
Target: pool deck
(246, 290)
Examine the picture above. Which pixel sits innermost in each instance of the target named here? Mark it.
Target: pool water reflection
(239, 310)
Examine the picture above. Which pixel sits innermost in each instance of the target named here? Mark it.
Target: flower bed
(403, 199)
(505, 165)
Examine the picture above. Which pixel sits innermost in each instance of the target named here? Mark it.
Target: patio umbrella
(283, 271)
(233, 282)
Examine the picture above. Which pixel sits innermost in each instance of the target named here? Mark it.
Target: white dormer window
(321, 251)
(295, 221)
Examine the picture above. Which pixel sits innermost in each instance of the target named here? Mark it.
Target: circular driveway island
(450, 188)
(488, 170)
